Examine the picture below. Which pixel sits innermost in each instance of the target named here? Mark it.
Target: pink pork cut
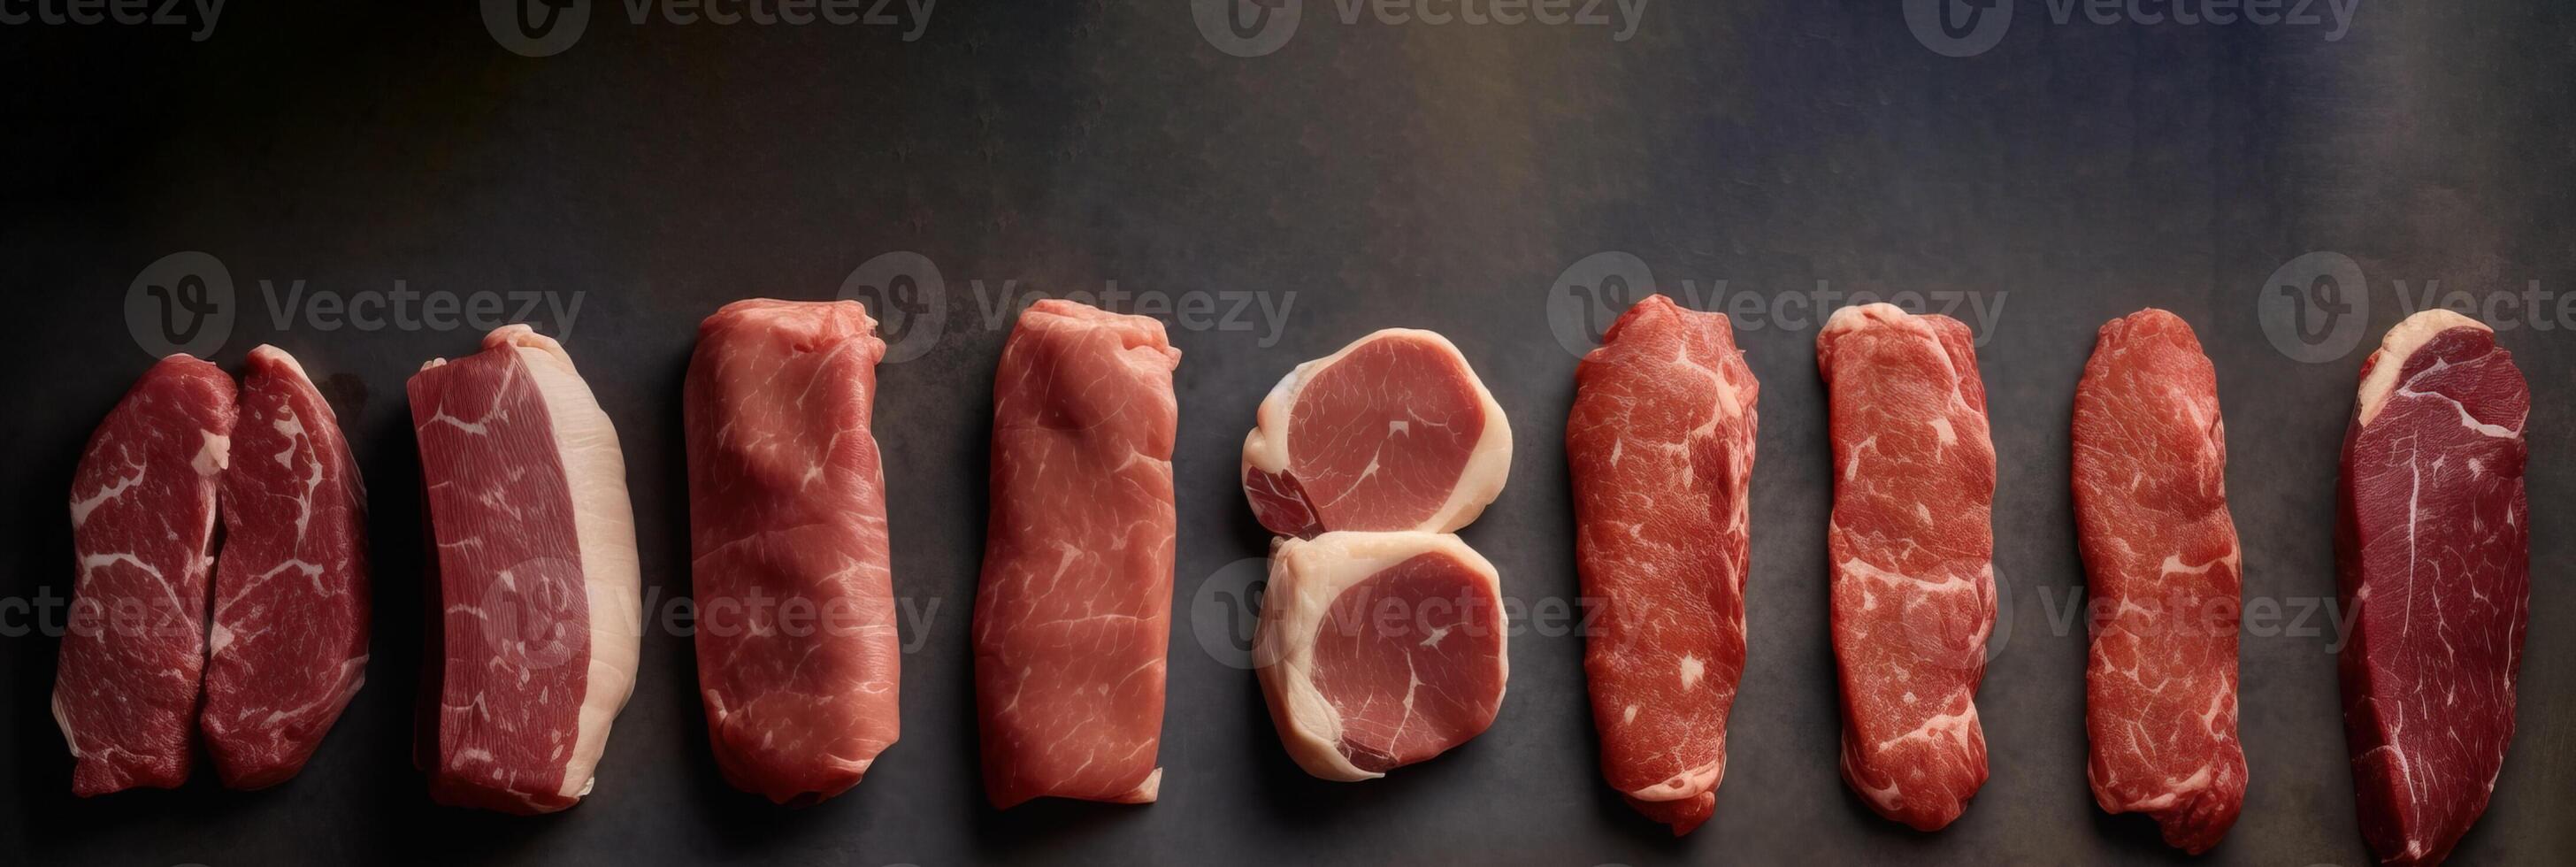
(2434, 546)
(2161, 563)
(535, 632)
(289, 643)
(1072, 620)
(798, 659)
(1379, 650)
(1660, 445)
(1912, 548)
(143, 522)
(1394, 432)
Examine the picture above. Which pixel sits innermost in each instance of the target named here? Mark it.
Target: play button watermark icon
(182, 302)
(1247, 28)
(1959, 28)
(909, 299)
(2313, 308)
(1591, 293)
(536, 28)
(1967, 28)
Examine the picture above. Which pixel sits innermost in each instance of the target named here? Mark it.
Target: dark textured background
(1438, 177)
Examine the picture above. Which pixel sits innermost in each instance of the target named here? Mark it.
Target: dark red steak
(143, 523)
(289, 643)
(535, 626)
(2434, 546)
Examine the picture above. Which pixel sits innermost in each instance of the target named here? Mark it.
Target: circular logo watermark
(524, 611)
(905, 293)
(1225, 613)
(181, 303)
(536, 28)
(2313, 308)
(1937, 641)
(1247, 28)
(1591, 293)
(1959, 28)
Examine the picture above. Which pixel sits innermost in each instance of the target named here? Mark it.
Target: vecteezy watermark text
(2315, 308)
(185, 302)
(1967, 28)
(909, 296)
(527, 625)
(1591, 293)
(1252, 28)
(1225, 615)
(402, 308)
(2303, 617)
(529, 619)
(1260, 313)
(541, 28)
(198, 16)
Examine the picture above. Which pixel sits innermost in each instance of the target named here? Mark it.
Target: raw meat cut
(797, 652)
(1660, 445)
(1379, 650)
(2433, 538)
(2162, 566)
(535, 621)
(143, 522)
(1380, 642)
(1394, 432)
(1912, 548)
(1072, 620)
(289, 642)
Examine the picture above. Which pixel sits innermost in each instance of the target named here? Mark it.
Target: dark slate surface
(1363, 175)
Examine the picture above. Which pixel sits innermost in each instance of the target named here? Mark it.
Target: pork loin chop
(1379, 650)
(1393, 432)
(787, 514)
(1072, 618)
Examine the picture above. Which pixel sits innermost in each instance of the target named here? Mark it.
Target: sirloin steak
(143, 523)
(2433, 543)
(1912, 549)
(787, 513)
(2162, 566)
(535, 608)
(1660, 445)
(1073, 613)
(1393, 432)
(1378, 650)
(289, 643)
